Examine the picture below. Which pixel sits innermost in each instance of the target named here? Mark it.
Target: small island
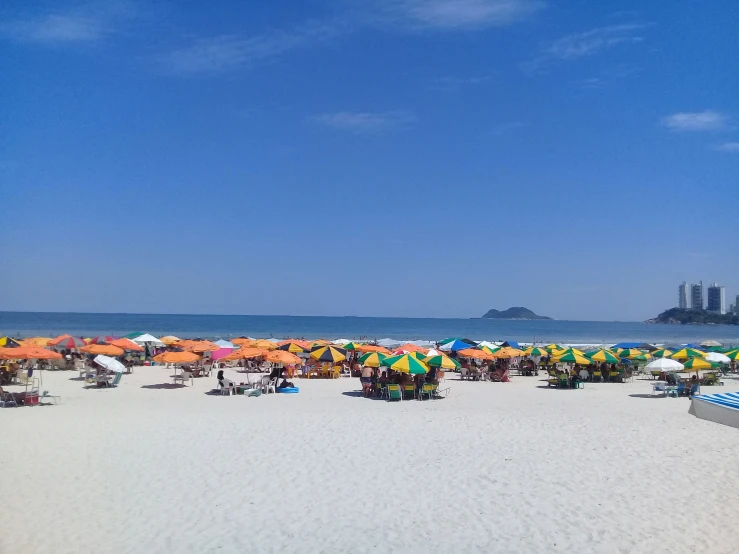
(682, 316)
(516, 312)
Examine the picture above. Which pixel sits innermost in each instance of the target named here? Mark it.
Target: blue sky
(430, 158)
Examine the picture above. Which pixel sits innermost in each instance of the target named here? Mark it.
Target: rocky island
(516, 312)
(682, 316)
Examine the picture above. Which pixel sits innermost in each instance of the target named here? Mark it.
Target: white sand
(493, 468)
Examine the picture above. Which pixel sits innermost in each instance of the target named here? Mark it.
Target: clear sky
(368, 157)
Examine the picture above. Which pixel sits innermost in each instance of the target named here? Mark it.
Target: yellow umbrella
(264, 343)
(507, 352)
(630, 353)
(169, 340)
(686, 353)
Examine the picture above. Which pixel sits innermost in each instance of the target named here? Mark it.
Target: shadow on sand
(166, 386)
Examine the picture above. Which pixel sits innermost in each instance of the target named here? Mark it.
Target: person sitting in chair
(286, 384)
(223, 382)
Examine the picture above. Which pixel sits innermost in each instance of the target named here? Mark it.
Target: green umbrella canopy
(573, 358)
(733, 354)
(662, 353)
(132, 335)
(603, 356)
(444, 362)
(351, 346)
(534, 351)
(406, 364)
(373, 359)
(686, 353)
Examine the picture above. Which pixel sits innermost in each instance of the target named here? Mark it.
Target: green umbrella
(573, 358)
(373, 359)
(535, 351)
(442, 361)
(662, 353)
(686, 353)
(133, 335)
(350, 346)
(733, 354)
(640, 358)
(406, 364)
(603, 356)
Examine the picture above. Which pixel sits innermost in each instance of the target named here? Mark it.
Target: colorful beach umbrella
(630, 353)
(442, 362)
(28, 353)
(642, 358)
(7, 342)
(491, 349)
(102, 339)
(406, 364)
(328, 354)
(169, 340)
(126, 344)
(685, 353)
(507, 352)
(372, 348)
(535, 351)
(455, 346)
(699, 363)
(476, 354)
(245, 353)
(40, 342)
(373, 359)
(552, 347)
(603, 355)
(573, 358)
(67, 341)
(733, 354)
(176, 358)
(198, 346)
(292, 347)
(662, 353)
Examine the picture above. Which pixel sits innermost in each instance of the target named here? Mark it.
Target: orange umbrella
(475, 353)
(28, 353)
(282, 357)
(372, 348)
(126, 344)
(36, 341)
(67, 341)
(169, 340)
(507, 352)
(409, 347)
(197, 345)
(302, 343)
(264, 343)
(104, 349)
(319, 342)
(176, 358)
(242, 341)
(244, 353)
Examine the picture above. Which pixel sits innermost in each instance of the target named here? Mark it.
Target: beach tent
(626, 345)
(146, 338)
(512, 344)
(455, 346)
(133, 335)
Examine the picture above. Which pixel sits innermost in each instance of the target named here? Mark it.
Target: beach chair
(552, 380)
(614, 376)
(7, 398)
(562, 381)
(426, 390)
(597, 376)
(115, 382)
(336, 372)
(440, 393)
(393, 392)
(409, 391)
(54, 399)
(659, 387)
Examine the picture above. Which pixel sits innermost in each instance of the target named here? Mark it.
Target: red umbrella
(102, 339)
(67, 341)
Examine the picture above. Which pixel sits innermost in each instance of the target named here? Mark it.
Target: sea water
(24, 324)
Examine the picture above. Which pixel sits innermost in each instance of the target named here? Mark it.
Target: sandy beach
(495, 467)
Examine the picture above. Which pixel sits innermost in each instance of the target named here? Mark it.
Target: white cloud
(89, 23)
(365, 122)
(588, 43)
(455, 14)
(228, 51)
(708, 120)
(728, 147)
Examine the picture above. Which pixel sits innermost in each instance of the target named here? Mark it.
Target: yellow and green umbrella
(535, 351)
(406, 364)
(441, 361)
(490, 350)
(698, 363)
(373, 359)
(570, 351)
(686, 353)
(328, 354)
(733, 354)
(662, 353)
(603, 356)
(573, 358)
(630, 353)
(350, 346)
(643, 358)
(553, 347)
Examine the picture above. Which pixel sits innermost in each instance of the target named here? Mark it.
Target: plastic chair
(393, 393)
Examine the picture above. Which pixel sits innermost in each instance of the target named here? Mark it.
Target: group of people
(373, 380)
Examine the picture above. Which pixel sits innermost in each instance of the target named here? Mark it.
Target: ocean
(24, 324)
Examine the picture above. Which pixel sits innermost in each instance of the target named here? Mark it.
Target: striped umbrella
(373, 359)
(293, 347)
(603, 356)
(328, 354)
(573, 358)
(490, 349)
(535, 351)
(406, 364)
(686, 353)
(662, 353)
(699, 363)
(733, 354)
(552, 347)
(7, 342)
(441, 361)
(350, 346)
(630, 353)
(67, 341)
(102, 339)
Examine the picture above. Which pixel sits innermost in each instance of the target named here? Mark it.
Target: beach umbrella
(552, 347)
(126, 344)
(535, 351)
(169, 340)
(243, 341)
(698, 364)
(28, 353)
(373, 359)
(111, 364)
(630, 353)
(685, 353)
(476, 353)
(406, 364)
(662, 353)
(67, 341)
(331, 354)
(718, 358)
(176, 358)
(507, 352)
(642, 358)
(442, 362)
(7, 342)
(282, 357)
(349, 346)
(573, 358)
(733, 354)
(106, 349)
(245, 353)
(570, 351)
(102, 339)
(372, 348)
(40, 342)
(410, 347)
(490, 349)
(602, 355)
(264, 343)
(710, 343)
(455, 346)
(319, 342)
(292, 347)
(664, 364)
(198, 346)
(147, 339)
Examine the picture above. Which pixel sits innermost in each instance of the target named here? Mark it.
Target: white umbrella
(664, 364)
(717, 357)
(342, 342)
(148, 339)
(111, 364)
(488, 344)
(225, 344)
(711, 343)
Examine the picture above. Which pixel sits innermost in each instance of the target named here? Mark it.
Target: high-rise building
(716, 299)
(696, 296)
(682, 296)
(736, 305)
